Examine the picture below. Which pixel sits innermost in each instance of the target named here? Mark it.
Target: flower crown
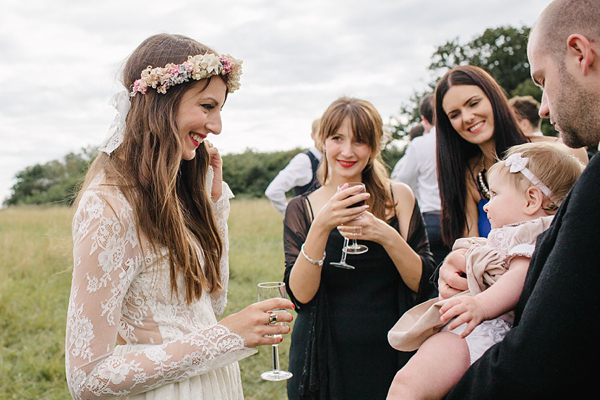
(196, 67)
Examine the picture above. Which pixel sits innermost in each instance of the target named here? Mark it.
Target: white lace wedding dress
(173, 350)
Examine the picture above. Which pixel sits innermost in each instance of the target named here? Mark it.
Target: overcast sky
(59, 61)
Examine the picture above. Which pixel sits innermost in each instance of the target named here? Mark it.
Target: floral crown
(196, 67)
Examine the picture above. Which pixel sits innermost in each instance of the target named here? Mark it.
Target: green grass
(35, 279)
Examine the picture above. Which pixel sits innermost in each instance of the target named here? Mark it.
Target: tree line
(57, 182)
(501, 51)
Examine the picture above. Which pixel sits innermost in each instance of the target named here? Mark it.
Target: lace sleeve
(107, 259)
(221, 210)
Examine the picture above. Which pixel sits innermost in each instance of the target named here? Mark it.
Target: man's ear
(580, 47)
(534, 200)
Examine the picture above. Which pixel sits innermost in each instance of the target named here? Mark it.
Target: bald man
(552, 350)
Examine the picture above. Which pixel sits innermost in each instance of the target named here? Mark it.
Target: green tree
(501, 51)
(53, 182)
(249, 173)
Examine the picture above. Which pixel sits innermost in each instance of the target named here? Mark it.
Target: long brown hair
(367, 127)
(169, 196)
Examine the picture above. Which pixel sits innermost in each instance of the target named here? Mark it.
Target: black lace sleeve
(417, 240)
(295, 229)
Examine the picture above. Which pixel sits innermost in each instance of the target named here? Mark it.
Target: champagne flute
(353, 248)
(271, 290)
(342, 263)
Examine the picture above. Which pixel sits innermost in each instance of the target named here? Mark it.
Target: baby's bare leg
(437, 366)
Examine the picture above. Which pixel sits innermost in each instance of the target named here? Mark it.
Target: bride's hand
(216, 162)
(252, 323)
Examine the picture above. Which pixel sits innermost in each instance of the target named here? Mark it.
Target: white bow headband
(518, 163)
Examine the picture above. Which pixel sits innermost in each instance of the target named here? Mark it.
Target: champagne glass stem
(275, 357)
(343, 260)
(270, 290)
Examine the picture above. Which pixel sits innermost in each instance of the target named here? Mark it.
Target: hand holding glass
(270, 290)
(354, 247)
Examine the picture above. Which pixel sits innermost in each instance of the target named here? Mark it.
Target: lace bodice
(122, 288)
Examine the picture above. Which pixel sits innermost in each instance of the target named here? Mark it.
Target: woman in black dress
(339, 344)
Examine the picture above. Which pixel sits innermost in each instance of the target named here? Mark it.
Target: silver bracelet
(310, 260)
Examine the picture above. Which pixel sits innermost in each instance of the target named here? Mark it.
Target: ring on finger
(272, 317)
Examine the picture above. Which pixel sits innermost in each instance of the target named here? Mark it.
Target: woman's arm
(107, 260)
(221, 208)
(304, 277)
(406, 260)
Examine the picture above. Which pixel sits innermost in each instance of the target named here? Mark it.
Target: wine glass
(271, 290)
(354, 247)
(342, 263)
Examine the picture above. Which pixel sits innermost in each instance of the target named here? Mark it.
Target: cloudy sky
(59, 61)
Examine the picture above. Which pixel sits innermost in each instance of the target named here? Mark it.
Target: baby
(526, 188)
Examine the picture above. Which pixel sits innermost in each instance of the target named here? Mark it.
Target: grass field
(35, 279)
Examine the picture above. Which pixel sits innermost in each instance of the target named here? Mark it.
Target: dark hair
(526, 107)
(454, 152)
(426, 107)
(416, 131)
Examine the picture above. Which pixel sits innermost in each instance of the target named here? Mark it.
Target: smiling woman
(344, 314)
(475, 126)
(199, 115)
(150, 252)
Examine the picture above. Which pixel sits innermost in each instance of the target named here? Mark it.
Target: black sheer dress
(339, 344)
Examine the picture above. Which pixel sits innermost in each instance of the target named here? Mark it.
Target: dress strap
(311, 214)
(393, 201)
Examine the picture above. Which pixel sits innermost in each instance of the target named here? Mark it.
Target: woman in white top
(150, 241)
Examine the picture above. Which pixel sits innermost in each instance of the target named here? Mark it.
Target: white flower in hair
(211, 63)
(516, 162)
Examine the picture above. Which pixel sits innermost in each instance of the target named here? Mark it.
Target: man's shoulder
(423, 143)
(300, 158)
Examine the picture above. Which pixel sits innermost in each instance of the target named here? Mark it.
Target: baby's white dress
(173, 350)
(487, 259)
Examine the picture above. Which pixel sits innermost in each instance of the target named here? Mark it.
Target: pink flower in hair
(226, 64)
